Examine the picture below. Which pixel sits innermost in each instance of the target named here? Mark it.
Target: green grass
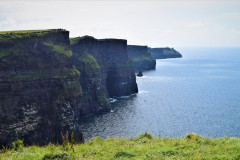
(11, 36)
(65, 73)
(76, 40)
(89, 60)
(143, 58)
(87, 63)
(145, 146)
(61, 49)
(26, 31)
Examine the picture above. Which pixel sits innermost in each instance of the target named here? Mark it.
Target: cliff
(39, 87)
(45, 87)
(94, 99)
(117, 74)
(163, 53)
(141, 58)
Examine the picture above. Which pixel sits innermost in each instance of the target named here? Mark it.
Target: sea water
(199, 93)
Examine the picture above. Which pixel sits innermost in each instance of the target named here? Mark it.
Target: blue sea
(199, 93)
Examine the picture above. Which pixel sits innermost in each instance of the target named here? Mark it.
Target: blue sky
(157, 23)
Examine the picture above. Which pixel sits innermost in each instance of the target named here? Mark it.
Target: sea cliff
(39, 86)
(141, 58)
(163, 53)
(117, 76)
(47, 85)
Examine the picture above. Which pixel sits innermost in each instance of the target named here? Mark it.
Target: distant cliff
(39, 87)
(141, 58)
(163, 53)
(117, 76)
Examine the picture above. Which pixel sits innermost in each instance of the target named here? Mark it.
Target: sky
(156, 23)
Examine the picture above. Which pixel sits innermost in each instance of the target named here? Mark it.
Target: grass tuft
(57, 156)
(145, 135)
(17, 145)
(124, 154)
(60, 49)
(192, 137)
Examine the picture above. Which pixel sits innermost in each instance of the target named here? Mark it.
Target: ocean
(199, 93)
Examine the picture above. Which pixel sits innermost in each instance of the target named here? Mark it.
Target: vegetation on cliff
(27, 50)
(109, 59)
(61, 49)
(94, 98)
(163, 53)
(145, 146)
(143, 60)
(76, 40)
(40, 87)
(141, 57)
(87, 62)
(9, 36)
(26, 31)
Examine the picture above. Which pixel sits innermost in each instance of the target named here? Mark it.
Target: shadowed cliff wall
(39, 87)
(141, 58)
(117, 74)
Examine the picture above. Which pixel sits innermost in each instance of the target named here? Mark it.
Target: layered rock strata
(115, 69)
(45, 88)
(39, 87)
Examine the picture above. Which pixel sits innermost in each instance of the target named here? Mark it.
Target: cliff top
(137, 46)
(75, 40)
(136, 51)
(31, 31)
(162, 48)
(7, 36)
(111, 39)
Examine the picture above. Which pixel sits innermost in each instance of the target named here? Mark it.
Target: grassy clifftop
(145, 146)
(36, 54)
(6, 36)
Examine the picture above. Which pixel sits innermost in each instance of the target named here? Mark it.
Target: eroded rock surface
(45, 88)
(117, 74)
(39, 87)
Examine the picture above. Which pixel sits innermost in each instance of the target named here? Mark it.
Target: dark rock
(163, 53)
(117, 74)
(39, 88)
(141, 58)
(140, 74)
(94, 98)
(45, 88)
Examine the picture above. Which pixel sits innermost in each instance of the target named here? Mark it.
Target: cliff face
(163, 53)
(141, 58)
(94, 98)
(39, 87)
(117, 75)
(45, 88)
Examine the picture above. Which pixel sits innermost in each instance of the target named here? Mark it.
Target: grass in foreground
(145, 146)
